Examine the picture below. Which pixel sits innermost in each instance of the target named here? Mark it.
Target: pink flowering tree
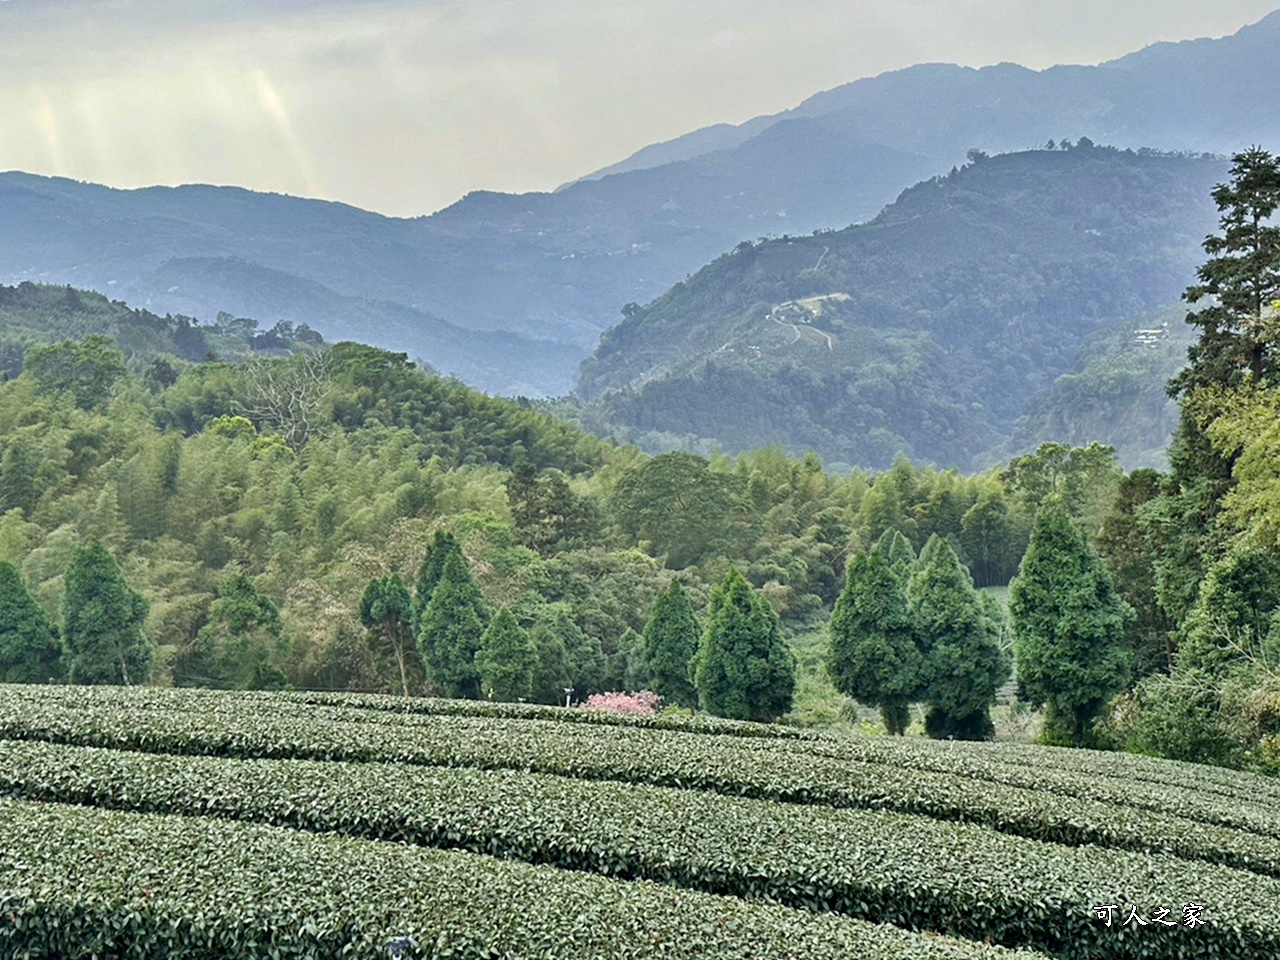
(645, 703)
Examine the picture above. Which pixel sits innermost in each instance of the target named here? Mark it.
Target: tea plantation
(155, 823)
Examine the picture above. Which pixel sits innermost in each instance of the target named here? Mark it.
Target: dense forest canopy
(928, 329)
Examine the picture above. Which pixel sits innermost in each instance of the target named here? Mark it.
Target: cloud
(404, 105)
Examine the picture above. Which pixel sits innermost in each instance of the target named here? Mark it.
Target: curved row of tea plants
(237, 701)
(79, 882)
(726, 765)
(914, 872)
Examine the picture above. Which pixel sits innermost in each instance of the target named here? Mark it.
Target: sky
(403, 106)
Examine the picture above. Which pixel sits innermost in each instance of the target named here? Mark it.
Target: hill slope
(926, 330)
(555, 269)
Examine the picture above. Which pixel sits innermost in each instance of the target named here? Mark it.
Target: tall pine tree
(670, 644)
(1069, 628)
(873, 656)
(744, 670)
(452, 625)
(964, 664)
(30, 651)
(103, 621)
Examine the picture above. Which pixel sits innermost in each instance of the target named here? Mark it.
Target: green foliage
(683, 508)
(1069, 629)
(386, 610)
(552, 674)
(87, 370)
(873, 655)
(189, 887)
(897, 552)
(30, 651)
(743, 669)
(1241, 278)
(102, 622)
(1130, 552)
(548, 516)
(926, 330)
(507, 659)
(242, 647)
(429, 573)
(671, 639)
(964, 664)
(453, 624)
(1037, 830)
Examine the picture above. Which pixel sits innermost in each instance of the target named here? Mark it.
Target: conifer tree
(507, 660)
(429, 571)
(1069, 628)
(873, 656)
(551, 675)
(897, 551)
(386, 610)
(744, 670)
(964, 665)
(103, 621)
(29, 647)
(670, 644)
(242, 646)
(451, 628)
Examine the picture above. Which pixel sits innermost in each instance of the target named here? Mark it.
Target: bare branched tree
(287, 395)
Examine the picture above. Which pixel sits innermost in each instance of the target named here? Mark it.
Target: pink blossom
(645, 703)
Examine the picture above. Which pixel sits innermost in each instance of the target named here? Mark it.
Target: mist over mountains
(510, 292)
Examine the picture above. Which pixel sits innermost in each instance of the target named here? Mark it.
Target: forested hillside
(928, 329)
(251, 505)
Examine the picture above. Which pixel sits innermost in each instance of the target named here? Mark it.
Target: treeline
(30, 313)
(252, 504)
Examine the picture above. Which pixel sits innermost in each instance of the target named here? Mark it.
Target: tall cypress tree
(452, 626)
(29, 648)
(103, 621)
(670, 644)
(507, 659)
(1069, 628)
(386, 610)
(429, 572)
(744, 670)
(873, 655)
(897, 551)
(964, 664)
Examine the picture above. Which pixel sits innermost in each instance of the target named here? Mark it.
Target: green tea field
(150, 823)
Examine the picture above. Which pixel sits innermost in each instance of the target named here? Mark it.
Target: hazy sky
(404, 105)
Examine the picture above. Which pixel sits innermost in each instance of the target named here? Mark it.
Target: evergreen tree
(242, 646)
(507, 659)
(670, 644)
(1069, 628)
(386, 610)
(873, 656)
(897, 551)
(964, 664)
(29, 647)
(452, 626)
(744, 670)
(1240, 329)
(551, 675)
(103, 621)
(631, 668)
(432, 566)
